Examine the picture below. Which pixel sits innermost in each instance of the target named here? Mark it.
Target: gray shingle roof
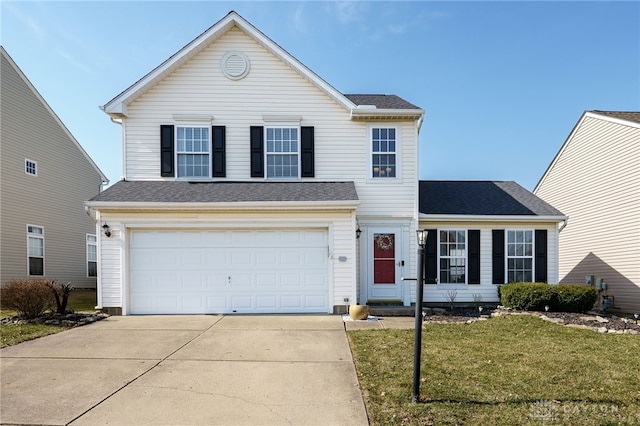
(381, 101)
(225, 192)
(623, 115)
(494, 198)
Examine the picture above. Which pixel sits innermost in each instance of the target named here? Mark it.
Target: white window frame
(507, 256)
(178, 153)
(40, 236)
(27, 167)
(93, 243)
(465, 256)
(396, 152)
(268, 153)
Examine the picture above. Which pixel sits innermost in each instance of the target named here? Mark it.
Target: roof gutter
(490, 218)
(224, 206)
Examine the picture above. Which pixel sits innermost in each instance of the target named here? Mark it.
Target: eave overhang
(489, 218)
(224, 206)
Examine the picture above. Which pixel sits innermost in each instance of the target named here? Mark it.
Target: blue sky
(503, 83)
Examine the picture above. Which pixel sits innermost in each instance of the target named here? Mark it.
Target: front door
(385, 264)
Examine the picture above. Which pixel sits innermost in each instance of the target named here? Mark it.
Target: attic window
(235, 65)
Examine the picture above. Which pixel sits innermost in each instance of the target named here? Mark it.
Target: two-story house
(45, 178)
(251, 185)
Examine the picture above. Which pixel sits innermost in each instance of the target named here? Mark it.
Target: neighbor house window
(519, 256)
(383, 152)
(193, 152)
(453, 256)
(282, 152)
(30, 167)
(92, 256)
(35, 250)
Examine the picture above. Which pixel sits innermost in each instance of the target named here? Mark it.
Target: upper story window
(35, 250)
(92, 256)
(453, 256)
(30, 167)
(193, 152)
(282, 152)
(519, 256)
(383, 152)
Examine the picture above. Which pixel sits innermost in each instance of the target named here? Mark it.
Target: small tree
(61, 293)
(30, 297)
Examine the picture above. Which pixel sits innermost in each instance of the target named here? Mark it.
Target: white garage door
(195, 272)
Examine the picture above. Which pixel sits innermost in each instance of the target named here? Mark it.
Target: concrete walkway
(185, 370)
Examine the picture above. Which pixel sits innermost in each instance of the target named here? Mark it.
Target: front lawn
(11, 334)
(511, 370)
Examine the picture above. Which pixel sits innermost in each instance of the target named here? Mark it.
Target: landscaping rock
(67, 320)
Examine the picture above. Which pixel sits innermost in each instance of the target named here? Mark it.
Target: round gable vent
(235, 65)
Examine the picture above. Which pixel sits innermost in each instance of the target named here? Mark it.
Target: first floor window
(30, 167)
(519, 256)
(193, 148)
(383, 152)
(92, 256)
(453, 256)
(282, 152)
(35, 250)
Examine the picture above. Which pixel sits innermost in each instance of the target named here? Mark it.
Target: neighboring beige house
(253, 186)
(45, 177)
(595, 180)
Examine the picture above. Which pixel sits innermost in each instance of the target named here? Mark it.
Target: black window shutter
(431, 257)
(541, 256)
(498, 256)
(166, 151)
(473, 254)
(257, 151)
(306, 151)
(218, 135)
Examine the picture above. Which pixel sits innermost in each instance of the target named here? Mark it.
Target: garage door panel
(228, 271)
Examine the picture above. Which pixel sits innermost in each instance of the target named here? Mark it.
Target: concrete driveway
(185, 370)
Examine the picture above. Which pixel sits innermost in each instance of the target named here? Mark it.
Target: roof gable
(52, 113)
(117, 107)
(624, 118)
(481, 198)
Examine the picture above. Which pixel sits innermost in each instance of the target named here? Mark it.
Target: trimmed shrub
(576, 298)
(527, 296)
(534, 297)
(30, 297)
(61, 294)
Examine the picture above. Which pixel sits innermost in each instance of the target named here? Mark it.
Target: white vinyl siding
(271, 88)
(486, 289)
(338, 223)
(595, 180)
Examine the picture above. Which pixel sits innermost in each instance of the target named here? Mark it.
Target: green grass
(11, 334)
(511, 370)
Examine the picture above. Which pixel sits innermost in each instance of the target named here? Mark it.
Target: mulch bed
(594, 320)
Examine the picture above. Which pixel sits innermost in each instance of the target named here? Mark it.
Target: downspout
(564, 224)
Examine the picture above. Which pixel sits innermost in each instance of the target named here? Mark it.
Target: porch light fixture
(358, 232)
(417, 348)
(106, 230)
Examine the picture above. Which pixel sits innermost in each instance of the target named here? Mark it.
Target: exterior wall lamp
(106, 230)
(358, 232)
(417, 349)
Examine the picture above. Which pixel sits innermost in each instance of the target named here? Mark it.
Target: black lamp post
(417, 349)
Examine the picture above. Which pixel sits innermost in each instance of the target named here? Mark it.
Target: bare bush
(30, 297)
(61, 294)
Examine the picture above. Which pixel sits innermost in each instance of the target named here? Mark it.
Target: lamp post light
(422, 240)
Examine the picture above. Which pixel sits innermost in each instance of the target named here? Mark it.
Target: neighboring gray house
(483, 234)
(595, 180)
(45, 176)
